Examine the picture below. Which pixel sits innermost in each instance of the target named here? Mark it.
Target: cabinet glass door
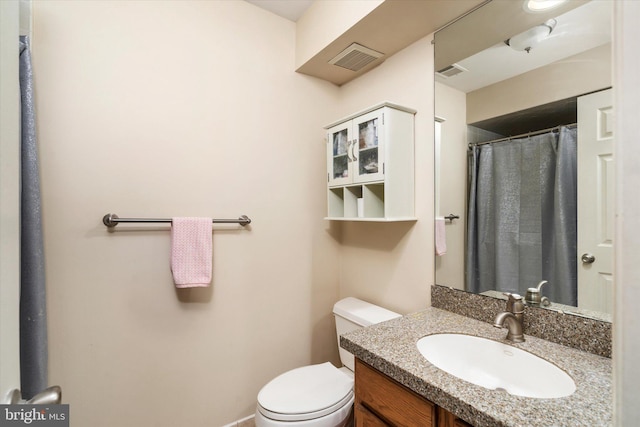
(368, 154)
(339, 156)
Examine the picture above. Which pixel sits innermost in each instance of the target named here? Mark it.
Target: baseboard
(243, 422)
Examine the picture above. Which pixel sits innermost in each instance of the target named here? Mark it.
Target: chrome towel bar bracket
(111, 220)
(451, 217)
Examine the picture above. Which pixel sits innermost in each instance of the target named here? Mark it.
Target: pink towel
(191, 251)
(441, 237)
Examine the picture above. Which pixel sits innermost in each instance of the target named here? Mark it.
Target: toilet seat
(306, 393)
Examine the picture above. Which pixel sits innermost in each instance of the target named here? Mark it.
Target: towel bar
(111, 220)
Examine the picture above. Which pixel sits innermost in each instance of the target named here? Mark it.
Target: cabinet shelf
(408, 219)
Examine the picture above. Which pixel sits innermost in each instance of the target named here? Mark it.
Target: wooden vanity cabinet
(381, 401)
(447, 419)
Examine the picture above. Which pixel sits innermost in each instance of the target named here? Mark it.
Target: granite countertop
(391, 348)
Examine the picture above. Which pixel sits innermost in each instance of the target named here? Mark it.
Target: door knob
(587, 258)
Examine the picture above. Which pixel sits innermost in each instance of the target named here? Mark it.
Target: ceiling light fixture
(536, 6)
(532, 37)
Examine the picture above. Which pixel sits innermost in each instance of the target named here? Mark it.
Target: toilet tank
(350, 314)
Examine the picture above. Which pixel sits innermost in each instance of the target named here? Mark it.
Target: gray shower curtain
(33, 313)
(522, 216)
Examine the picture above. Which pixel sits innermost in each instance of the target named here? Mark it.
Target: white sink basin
(495, 365)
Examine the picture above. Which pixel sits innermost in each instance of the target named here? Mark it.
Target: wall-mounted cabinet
(370, 165)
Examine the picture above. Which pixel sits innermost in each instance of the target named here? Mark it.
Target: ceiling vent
(355, 57)
(451, 70)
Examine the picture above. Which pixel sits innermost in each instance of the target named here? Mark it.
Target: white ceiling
(578, 30)
(289, 9)
(581, 29)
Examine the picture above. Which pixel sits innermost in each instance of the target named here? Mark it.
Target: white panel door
(595, 201)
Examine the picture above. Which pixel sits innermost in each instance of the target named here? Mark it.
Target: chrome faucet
(512, 318)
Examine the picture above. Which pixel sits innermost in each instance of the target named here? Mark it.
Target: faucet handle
(512, 296)
(515, 304)
(539, 287)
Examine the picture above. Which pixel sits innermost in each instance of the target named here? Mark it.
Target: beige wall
(160, 109)
(450, 106)
(9, 199)
(391, 264)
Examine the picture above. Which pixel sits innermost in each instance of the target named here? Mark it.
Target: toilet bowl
(319, 395)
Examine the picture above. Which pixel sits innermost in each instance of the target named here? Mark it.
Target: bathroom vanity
(396, 385)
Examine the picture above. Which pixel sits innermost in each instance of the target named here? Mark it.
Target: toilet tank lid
(361, 312)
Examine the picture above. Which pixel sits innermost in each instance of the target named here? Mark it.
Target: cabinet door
(368, 147)
(391, 401)
(366, 418)
(339, 154)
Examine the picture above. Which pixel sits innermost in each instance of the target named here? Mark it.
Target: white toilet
(319, 395)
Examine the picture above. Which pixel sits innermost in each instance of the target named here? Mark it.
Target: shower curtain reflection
(33, 311)
(522, 216)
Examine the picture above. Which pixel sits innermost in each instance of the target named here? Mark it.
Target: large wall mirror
(524, 153)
